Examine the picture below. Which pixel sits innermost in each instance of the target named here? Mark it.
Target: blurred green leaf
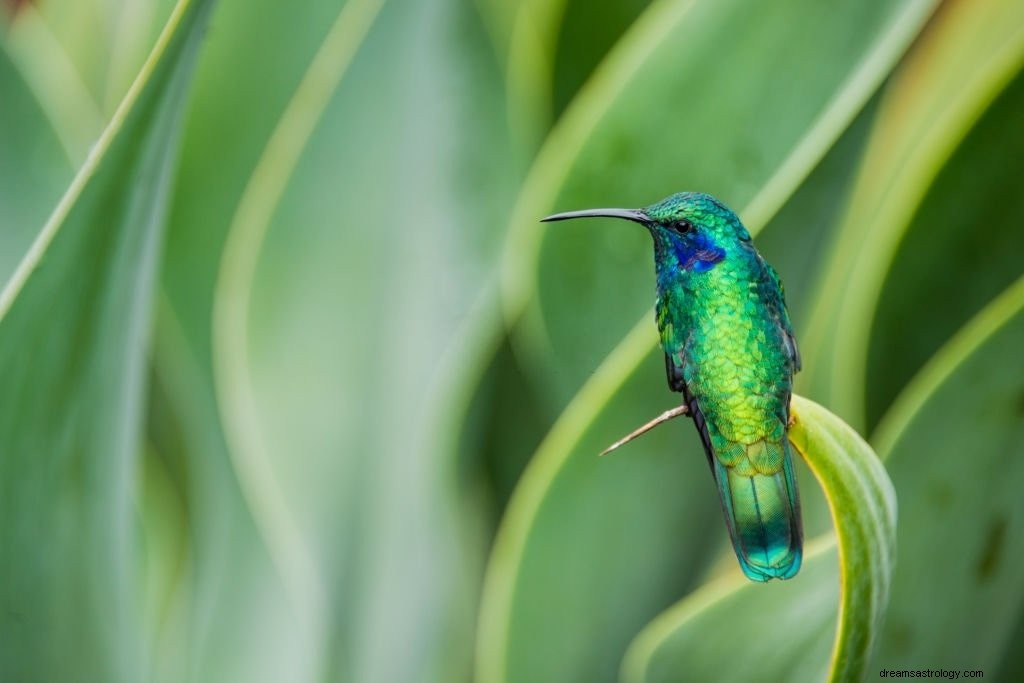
(967, 56)
(962, 248)
(1011, 668)
(590, 549)
(584, 38)
(74, 321)
(363, 518)
(503, 426)
(554, 47)
(49, 72)
(533, 40)
(106, 40)
(747, 134)
(34, 168)
(221, 147)
(235, 592)
(785, 629)
(230, 616)
(952, 442)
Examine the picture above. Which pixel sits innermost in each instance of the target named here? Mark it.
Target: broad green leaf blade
(351, 277)
(74, 320)
(863, 504)
(745, 631)
(732, 629)
(503, 424)
(554, 48)
(952, 443)
(962, 248)
(232, 562)
(584, 38)
(34, 169)
(591, 548)
(967, 56)
(231, 591)
(216, 149)
(748, 134)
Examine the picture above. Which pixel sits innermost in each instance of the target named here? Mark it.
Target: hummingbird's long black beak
(635, 215)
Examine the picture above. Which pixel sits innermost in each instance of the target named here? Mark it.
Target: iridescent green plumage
(729, 349)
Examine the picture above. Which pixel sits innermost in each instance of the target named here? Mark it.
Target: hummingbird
(729, 349)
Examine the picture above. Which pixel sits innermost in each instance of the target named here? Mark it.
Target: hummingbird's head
(692, 231)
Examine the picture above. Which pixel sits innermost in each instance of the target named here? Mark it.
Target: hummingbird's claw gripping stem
(664, 417)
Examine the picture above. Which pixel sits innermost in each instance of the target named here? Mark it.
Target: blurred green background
(294, 387)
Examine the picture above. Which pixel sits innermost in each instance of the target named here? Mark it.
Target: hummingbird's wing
(774, 294)
(673, 364)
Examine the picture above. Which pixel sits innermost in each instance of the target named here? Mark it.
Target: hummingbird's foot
(664, 417)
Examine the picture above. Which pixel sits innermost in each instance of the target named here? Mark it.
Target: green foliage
(968, 510)
(297, 388)
(74, 320)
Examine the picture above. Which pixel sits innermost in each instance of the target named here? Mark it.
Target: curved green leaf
(738, 630)
(389, 233)
(585, 37)
(952, 443)
(748, 135)
(732, 629)
(554, 47)
(65, 102)
(962, 248)
(590, 548)
(967, 56)
(34, 169)
(231, 562)
(231, 591)
(216, 149)
(74, 322)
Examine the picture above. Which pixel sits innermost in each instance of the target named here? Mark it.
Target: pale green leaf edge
(942, 365)
(859, 295)
(37, 250)
(246, 235)
(634, 665)
(862, 501)
(551, 457)
(55, 82)
(530, 69)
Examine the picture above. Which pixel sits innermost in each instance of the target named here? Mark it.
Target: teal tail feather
(762, 512)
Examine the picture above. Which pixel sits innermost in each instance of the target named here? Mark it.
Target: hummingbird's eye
(682, 226)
